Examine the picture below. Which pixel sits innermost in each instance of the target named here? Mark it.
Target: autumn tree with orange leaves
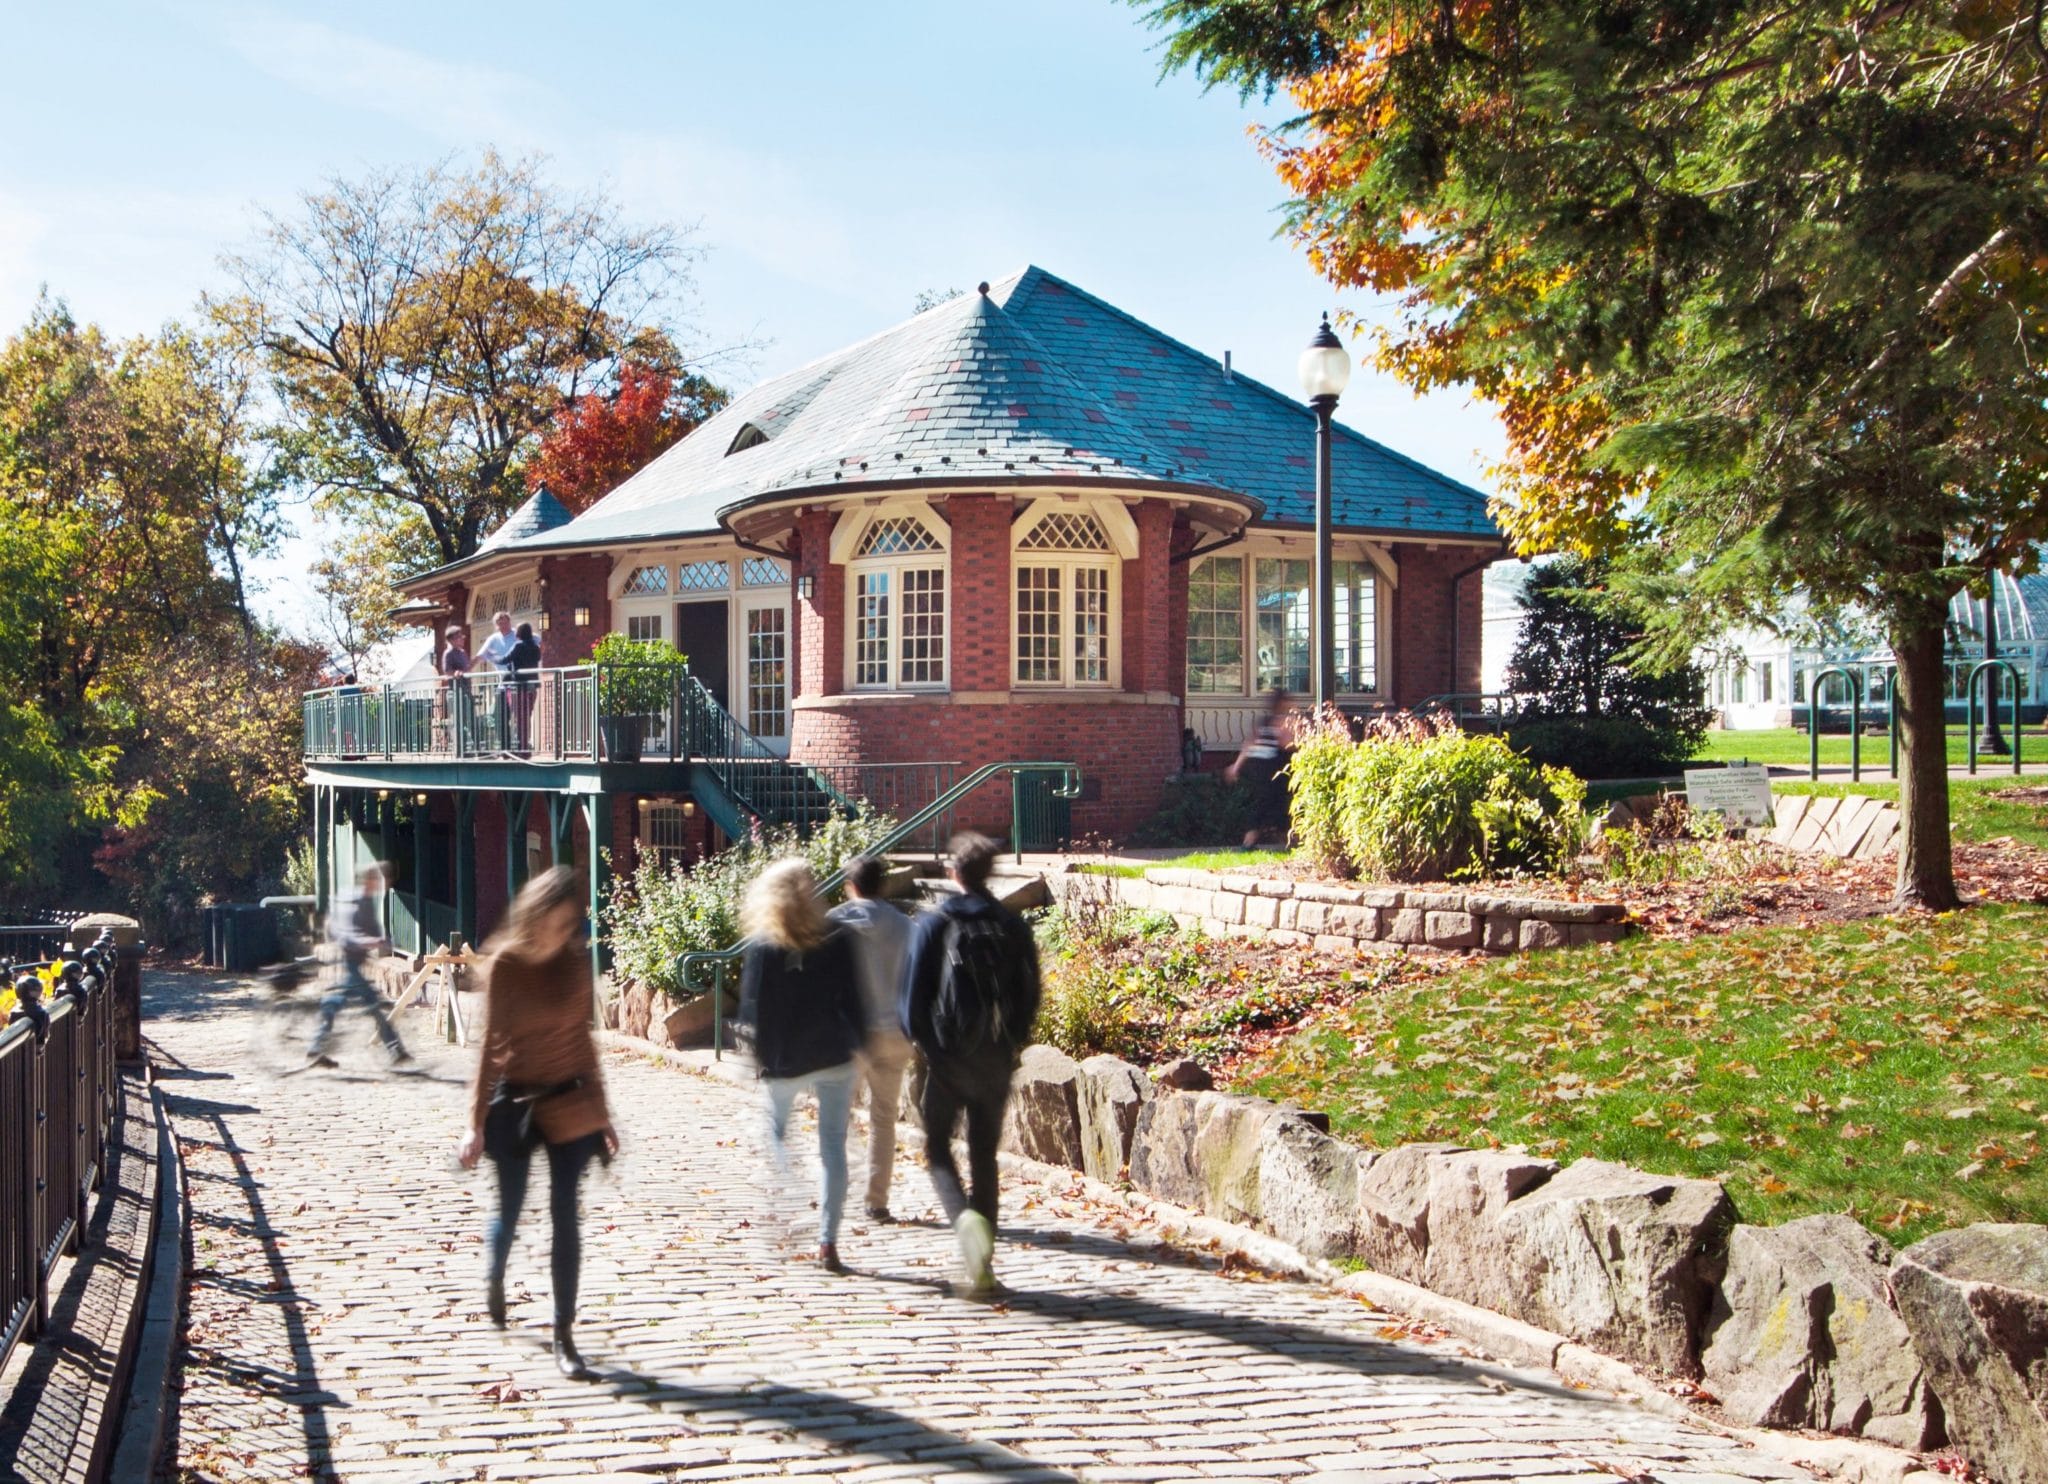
(600, 440)
(1756, 289)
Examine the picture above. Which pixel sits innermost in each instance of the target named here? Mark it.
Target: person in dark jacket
(800, 1002)
(952, 981)
(524, 666)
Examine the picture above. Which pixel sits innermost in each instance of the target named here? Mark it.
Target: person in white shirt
(495, 654)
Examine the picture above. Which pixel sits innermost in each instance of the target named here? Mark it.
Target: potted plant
(636, 679)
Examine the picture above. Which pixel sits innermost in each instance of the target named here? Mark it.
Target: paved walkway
(336, 1325)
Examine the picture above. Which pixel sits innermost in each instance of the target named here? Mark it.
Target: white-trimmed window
(1280, 625)
(1216, 627)
(643, 626)
(896, 597)
(1064, 577)
(1358, 631)
(664, 834)
(703, 577)
(646, 582)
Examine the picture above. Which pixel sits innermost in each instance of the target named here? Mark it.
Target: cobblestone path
(336, 1324)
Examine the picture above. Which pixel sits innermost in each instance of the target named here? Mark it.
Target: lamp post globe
(1325, 371)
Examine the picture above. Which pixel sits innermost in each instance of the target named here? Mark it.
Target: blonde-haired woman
(800, 1000)
(538, 1082)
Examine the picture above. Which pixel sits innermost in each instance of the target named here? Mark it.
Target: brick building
(1019, 525)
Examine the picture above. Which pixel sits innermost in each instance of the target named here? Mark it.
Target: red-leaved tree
(598, 440)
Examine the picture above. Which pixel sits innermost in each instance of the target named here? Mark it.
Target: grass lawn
(1787, 747)
(1198, 860)
(1896, 1069)
(1973, 815)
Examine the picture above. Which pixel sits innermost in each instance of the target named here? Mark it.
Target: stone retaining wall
(1814, 1324)
(1338, 918)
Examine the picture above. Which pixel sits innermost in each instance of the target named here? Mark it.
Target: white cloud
(462, 102)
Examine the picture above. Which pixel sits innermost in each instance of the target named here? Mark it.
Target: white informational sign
(1739, 793)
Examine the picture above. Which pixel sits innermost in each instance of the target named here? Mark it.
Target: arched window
(1064, 579)
(896, 601)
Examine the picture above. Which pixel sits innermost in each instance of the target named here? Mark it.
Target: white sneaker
(977, 1239)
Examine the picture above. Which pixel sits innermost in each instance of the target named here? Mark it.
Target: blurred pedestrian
(970, 994)
(1261, 767)
(538, 1083)
(800, 1004)
(355, 933)
(881, 941)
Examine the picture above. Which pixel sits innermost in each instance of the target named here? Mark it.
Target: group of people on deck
(830, 1003)
(511, 652)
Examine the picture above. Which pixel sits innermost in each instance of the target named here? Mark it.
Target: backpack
(976, 979)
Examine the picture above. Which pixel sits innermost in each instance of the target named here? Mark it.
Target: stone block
(1336, 945)
(1436, 901)
(1284, 938)
(1451, 929)
(1355, 922)
(1227, 906)
(1243, 886)
(1112, 1094)
(1185, 1074)
(1270, 888)
(1801, 1332)
(1975, 1301)
(1202, 1150)
(1262, 912)
(1536, 933)
(1308, 1188)
(1386, 898)
(1393, 1209)
(1466, 1192)
(1044, 1117)
(1320, 891)
(1290, 914)
(1501, 934)
(1310, 916)
(1617, 1259)
(1403, 925)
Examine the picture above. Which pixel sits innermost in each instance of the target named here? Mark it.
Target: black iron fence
(57, 1094)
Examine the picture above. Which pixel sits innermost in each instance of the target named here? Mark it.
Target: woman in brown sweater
(538, 1082)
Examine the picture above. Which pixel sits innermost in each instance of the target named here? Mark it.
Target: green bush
(661, 912)
(1200, 809)
(1602, 746)
(1415, 801)
(638, 675)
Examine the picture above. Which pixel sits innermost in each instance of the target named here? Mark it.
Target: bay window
(1065, 578)
(896, 592)
(1274, 613)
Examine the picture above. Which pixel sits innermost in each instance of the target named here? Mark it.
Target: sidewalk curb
(1510, 1340)
(145, 1413)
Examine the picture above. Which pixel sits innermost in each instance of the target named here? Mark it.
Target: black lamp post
(1990, 738)
(1325, 370)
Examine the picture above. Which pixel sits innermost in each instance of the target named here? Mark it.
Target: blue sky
(836, 159)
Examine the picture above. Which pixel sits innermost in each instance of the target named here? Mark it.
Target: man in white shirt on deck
(496, 653)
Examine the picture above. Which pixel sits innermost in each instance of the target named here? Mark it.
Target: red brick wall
(1420, 641)
(1147, 601)
(980, 598)
(491, 898)
(1185, 539)
(818, 660)
(582, 581)
(1125, 752)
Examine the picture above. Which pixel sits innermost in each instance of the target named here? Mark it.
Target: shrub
(662, 912)
(1420, 800)
(1602, 746)
(1200, 809)
(639, 675)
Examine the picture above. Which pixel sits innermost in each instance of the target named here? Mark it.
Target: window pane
(646, 582)
(923, 658)
(768, 672)
(1216, 627)
(1356, 621)
(1282, 603)
(871, 628)
(1091, 626)
(643, 626)
(703, 577)
(1038, 625)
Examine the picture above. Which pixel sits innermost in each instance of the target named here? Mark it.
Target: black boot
(494, 1301)
(567, 1360)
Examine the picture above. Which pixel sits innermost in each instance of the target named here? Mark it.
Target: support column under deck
(323, 867)
(597, 819)
(515, 841)
(465, 865)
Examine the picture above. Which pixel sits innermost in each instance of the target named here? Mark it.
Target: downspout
(1457, 577)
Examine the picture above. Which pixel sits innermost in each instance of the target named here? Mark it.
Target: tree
(599, 441)
(354, 578)
(1581, 703)
(1758, 287)
(423, 330)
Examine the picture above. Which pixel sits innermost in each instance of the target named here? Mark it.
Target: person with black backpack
(970, 994)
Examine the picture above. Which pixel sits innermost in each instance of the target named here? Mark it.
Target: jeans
(566, 1164)
(981, 1088)
(834, 1088)
(882, 1065)
(354, 987)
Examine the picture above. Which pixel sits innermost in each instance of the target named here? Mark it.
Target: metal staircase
(738, 780)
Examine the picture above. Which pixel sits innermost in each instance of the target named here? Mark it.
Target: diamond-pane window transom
(646, 582)
(896, 535)
(1064, 531)
(703, 577)
(763, 572)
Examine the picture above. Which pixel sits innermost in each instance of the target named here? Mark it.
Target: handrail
(717, 962)
(1992, 666)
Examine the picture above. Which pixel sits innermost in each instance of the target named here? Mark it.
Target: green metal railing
(1993, 665)
(708, 971)
(1891, 699)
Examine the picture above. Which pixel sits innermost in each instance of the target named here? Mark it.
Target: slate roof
(541, 513)
(1034, 382)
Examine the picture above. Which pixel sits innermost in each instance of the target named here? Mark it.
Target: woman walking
(800, 1001)
(538, 1083)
